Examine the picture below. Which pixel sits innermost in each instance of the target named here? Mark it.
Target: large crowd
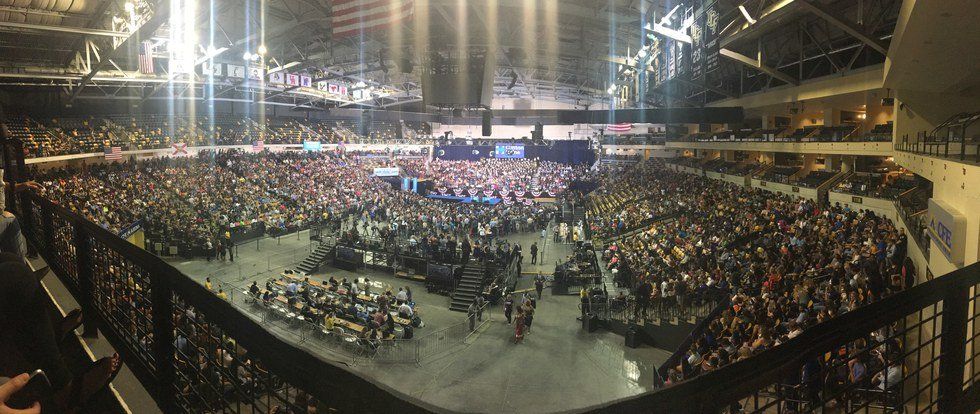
(217, 198)
(782, 263)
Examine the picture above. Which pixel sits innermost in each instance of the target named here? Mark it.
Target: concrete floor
(558, 367)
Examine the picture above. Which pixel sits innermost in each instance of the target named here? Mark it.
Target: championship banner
(697, 46)
(322, 86)
(292, 79)
(671, 61)
(711, 41)
(305, 81)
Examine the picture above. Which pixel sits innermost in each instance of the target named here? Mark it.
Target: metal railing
(197, 353)
(191, 350)
(919, 350)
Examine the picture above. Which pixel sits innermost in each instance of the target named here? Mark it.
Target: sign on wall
(386, 171)
(947, 229)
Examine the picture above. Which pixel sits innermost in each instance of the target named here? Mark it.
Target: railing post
(953, 345)
(161, 293)
(86, 284)
(47, 223)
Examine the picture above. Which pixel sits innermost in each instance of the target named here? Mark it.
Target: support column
(831, 116)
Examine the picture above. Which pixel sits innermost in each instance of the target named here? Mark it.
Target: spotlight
(129, 6)
(642, 53)
(262, 50)
(612, 89)
(247, 56)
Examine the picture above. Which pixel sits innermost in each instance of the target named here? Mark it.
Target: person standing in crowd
(471, 315)
(11, 238)
(528, 310)
(643, 299)
(519, 326)
(539, 283)
(479, 306)
(465, 250)
(508, 307)
(534, 253)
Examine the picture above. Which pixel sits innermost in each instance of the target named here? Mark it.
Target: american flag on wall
(351, 17)
(112, 153)
(258, 146)
(146, 57)
(624, 127)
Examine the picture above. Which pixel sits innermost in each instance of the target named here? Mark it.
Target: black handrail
(331, 384)
(716, 390)
(698, 330)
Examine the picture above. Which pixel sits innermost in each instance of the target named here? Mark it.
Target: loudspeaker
(487, 123)
(632, 337)
(457, 112)
(887, 101)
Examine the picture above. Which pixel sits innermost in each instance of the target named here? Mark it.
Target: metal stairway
(469, 286)
(319, 255)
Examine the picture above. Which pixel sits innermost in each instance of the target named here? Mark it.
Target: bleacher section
(815, 178)
(811, 133)
(876, 185)
(779, 174)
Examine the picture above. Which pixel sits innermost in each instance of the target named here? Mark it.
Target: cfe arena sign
(947, 228)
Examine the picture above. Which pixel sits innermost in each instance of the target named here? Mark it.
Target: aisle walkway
(489, 373)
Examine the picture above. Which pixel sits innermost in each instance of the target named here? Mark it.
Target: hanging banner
(697, 47)
(305, 81)
(711, 40)
(277, 78)
(235, 71)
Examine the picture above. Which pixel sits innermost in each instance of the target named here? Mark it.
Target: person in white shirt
(405, 311)
(401, 296)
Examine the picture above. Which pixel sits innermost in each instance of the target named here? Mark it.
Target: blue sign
(312, 145)
(947, 229)
(509, 151)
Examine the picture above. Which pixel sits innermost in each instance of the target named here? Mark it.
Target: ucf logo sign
(947, 229)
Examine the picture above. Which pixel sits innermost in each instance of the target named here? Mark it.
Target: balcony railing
(192, 351)
(195, 352)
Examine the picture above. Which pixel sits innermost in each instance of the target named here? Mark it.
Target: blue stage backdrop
(568, 152)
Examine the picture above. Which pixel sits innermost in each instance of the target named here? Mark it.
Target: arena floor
(558, 367)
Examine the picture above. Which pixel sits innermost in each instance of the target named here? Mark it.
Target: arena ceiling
(569, 51)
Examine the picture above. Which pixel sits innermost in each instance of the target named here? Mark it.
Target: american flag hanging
(146, 57)
(112, 153)
(258, 146)
(351, 17)
(623, 127)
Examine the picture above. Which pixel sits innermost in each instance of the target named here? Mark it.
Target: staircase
(469, 286)
(314, 260)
